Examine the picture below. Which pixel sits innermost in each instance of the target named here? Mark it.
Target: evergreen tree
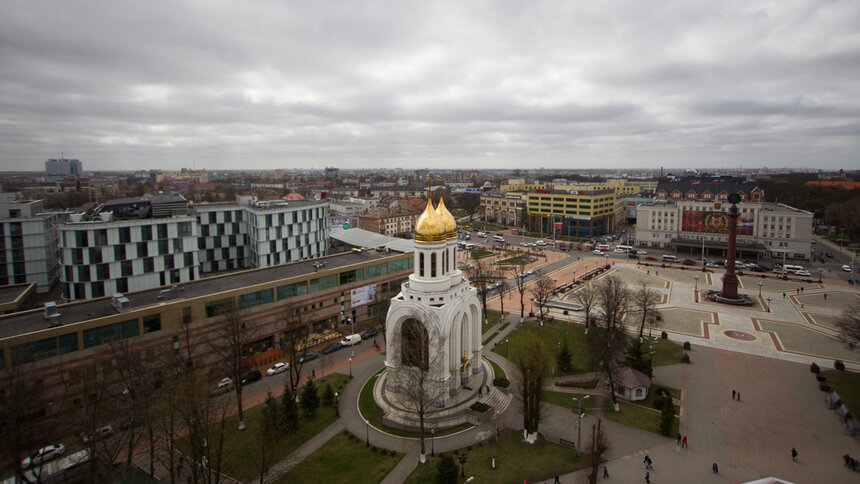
(310, 401)
(636, 359)
(289, 411)
(447, 469)
(563, 359)
(328, 396)
(271, 413)
(668, 413)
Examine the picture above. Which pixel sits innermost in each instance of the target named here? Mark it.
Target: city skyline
(617, 85)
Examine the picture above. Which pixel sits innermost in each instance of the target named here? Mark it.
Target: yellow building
(578, 213)
(520, 185)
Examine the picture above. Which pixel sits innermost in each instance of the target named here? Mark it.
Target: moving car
(310, 355)
(44, 455)
(650, 257)
(278, 368)
(251, 377)
(352, 339)
(369, 333)
(641, 252)
(803, 273)
(846, 268)
(689, 262)
(332, 348)
(598, 252)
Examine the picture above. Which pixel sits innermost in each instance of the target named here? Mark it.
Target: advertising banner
(338, 224)
(362, 295)
(714, 222)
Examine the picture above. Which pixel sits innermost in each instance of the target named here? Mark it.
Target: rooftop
(29, 321)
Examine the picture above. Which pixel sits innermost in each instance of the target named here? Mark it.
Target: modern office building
(59, 344)
(57, 169)
(574, 214)
(28, 242)
(764, 229)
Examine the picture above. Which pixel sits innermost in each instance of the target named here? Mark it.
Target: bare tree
(611, 342)
(203, 417)
(542, 292)
(418, 386)
(294, 341)
(586, 296)
(502, 289)
(645, 300)
(520, 281)
(481, 276)
(597, 452)
(534, 362)
(849, 326)
(231, 337)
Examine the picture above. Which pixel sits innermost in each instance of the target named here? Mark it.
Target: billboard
(714, 222)
(362, 295)
(339, 224)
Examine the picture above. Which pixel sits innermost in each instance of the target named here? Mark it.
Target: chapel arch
(415, 344)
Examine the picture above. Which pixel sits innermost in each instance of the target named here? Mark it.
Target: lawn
(520, 259)
(241, 447)
(639, 417)
(847, 385)
(478, 254)
(565, 400)
(371, 411)
(498, 372)
(667, 353)
(516, 461)
(344, 458)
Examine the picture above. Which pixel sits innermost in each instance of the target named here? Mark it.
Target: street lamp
(351, 347)
(820, 270)
(350, 367)
(506, 347)
(367, 433)
(432, 442)
(768, 304)
(531, 306)
(579, 421)
(697, 282)
(463, 464)
(336, 407)
(760, 284)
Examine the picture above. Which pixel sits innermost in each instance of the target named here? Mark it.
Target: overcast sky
(460, 84)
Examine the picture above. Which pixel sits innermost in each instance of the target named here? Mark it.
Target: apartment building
(28, 242)
(388, 221)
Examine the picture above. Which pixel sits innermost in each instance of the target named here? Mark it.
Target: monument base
(741, 300)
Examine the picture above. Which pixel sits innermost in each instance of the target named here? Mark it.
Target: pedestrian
(794, 454)
(684, 442)
(825, 296)
(783, 295)
(679, 439)
(797, 290)
(733, 394)
(556, 481)
(715, 468)
(801, 288)
(605, 473)
(647, 477)
(313, 374)
(739, 396)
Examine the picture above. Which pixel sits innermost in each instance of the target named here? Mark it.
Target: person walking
(684, 442)
(783, 295)
(605, 473)
(714, 468)
(739, 396)
(647, 477)
(794, 454)
(733, 394)
(679, 439)
(556, 481)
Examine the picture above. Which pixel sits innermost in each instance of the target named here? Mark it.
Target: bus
(788, 269)
(603, 247)
(670, 258)
(623, 248)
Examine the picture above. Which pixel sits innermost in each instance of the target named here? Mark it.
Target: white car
(278, 368)
(225, 384)
(712, 265)
(598, 252)
(846, 268)
(45, 454)
(100, 433)
(802, 273)
(540, 242)
(620, 251)
(641, 252)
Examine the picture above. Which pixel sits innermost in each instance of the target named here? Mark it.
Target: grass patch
(479, 254)
(516, 461)
(520, 259)
(565, 400)
(652, 395)
(490, 337)
(241, 447)
(847, 385)
(571, 335)
(639, 417)
(498, 372)
(371, 411)
(480, 407)
(343, 459)
(587, 384)
(666, 353)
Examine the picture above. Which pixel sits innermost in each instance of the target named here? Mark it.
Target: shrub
(447, 470)
(501, 382)
(685, 358)
(839, 365)
(664, 335)
(668, 417)
(659, 403)
(687, 345)
(373, 449)
(814, 368)
(480, 407)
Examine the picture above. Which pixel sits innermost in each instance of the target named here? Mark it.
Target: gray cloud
(270, 84)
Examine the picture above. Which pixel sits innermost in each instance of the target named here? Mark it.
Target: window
(118, 252)
(146, 232)
(124, 235)
(110, 332)
(399, 265)
(122, 285)
(103, 271)
(433, 264)
(151, 323)
(148, 265)
(95, 255)
(81, 239)
(377, 270)
(214, 308)
(100, 237)
(184, 229)
(142, 249)
(351, 276)
(292, 290)
(322, 283)
(126, 268)
(420, 264)
(256, 298)
(162, 231)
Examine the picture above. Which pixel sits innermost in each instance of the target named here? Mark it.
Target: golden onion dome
(429, 227)
(447, 220)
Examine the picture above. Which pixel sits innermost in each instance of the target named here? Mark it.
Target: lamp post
(768, 304)
(366, 433)
(697, 283)
(350, 367)
(433, 442)
(579, 421)
(351, 347)
(760, 284)
(336, 407)
(531, 306)
(463, 464)
(506, 347)
(820, 270)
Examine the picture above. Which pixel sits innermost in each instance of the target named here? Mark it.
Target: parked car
(310, 355)
(803, 273)
(369, 333)
(100, 433)
(631, 255)
(846, 268)
(828, 255)
(332, 348)
(711, 265)
(225, 385)
(278, 368)
(598, 252)
(650, 257)
(251, 377)
(641, 252)
(44, 455)
(688, 262)
(351, 339)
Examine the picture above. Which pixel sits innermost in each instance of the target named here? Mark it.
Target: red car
(650, 257)
(688, 262)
